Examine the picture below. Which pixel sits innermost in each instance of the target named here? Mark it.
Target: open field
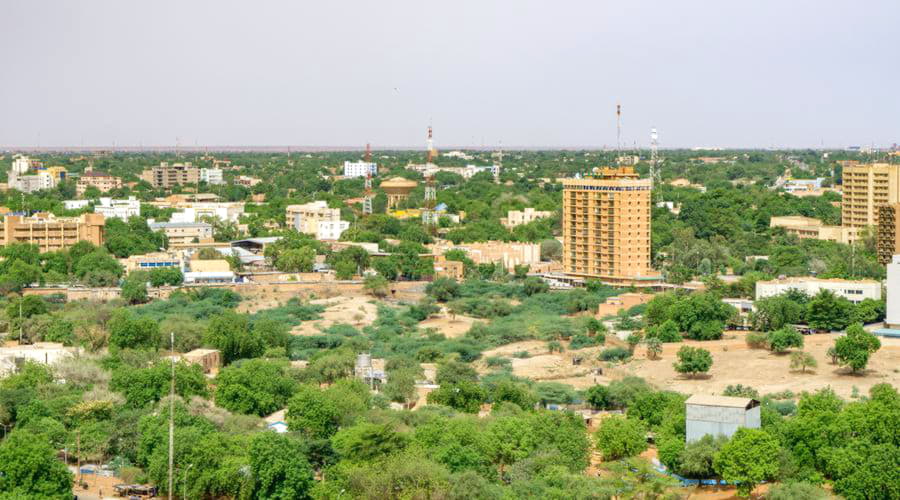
(733, 363)
(358, 311)
(451, 328)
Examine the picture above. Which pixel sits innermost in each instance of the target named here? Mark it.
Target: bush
(756, 340)
(614, 354)
(619, 437)
(581, 341)
(794, 491)
(666, 332)
(693, 360)
(498, 361)
(784, 338)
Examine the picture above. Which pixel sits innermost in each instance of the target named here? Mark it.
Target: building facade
(360, 169)
(305, 218)
(887, 242)
(854, 291)
(865, 189)
(100, 180)
(184, 233)
(606, 227)
(166, 175)
(223, 211)
(719, 416)
(489, 252)
(519, 217)
(810, 228)
(331, 230)
(52, 233)
(212, 176)
(118, 209)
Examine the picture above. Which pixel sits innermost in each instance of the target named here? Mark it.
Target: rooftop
(724, 401)
(813, 279)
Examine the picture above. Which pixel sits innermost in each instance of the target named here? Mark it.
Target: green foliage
(773, 313)
(134, 237)
(98, 268)
(613, 354)
(693, 360)
(443, 289)
(166, 276)
(279, 467)
(665, 332)
(230, 333)
(803, 360)
(699, 316)
(620, 437)
(697, 458)
(376, 284)
(599, 397)
(795, 491)
(30, 468)
(583, 341)
(128, 331)
(827, 311)
(784, 338)
(741, 391)
(367, 442)
(312, 412)
(748, 459)
(463, 396)
(254, 386)
(855, 347)
(134, 288)
(143, 386)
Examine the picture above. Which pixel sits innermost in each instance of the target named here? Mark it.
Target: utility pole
(171, 413)
(78, 454)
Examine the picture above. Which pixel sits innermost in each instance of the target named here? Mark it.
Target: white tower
(655, 176)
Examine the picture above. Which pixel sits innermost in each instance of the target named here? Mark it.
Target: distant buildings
(246, 181)
(854, 291)
(211, 176)
(519, 217)
(397, 190)
(167, 175)
(810, 228)
(360, 169)
(47, 353)
(606, 227)
(467, 172)
(42, 178)
(51, 233)
(795, 186)
(316, 218)
(719, 416)
(150, 261)
(489, 252)
(184, 233)
(118, 209)
(100, 180)
(196, 211)
(865, 189)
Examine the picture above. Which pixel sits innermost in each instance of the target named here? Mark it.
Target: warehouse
(719, 415)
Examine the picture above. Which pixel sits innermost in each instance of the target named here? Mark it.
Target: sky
(762, 73)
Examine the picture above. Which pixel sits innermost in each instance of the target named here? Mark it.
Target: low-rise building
(75, 204)
(519, 217)
(118, 209)
(50, 177)
(719, 416)
(892, 301)
(803, 185)
(47, 353)
(331, 230)
(211, 176)
(184, 233)
(360, 169)
(509, 254)
(246, 181)
(100, 180)
(305, 218)
(210, 360)
(810, 228)
(453, 269)
(166, 175)
(195, 212)
(853, 290)
(51, 233)
(155, 260)
(25, 183)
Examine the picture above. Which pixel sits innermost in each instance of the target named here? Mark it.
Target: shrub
(693, 360)
(666, 332)
(521, 354)
(803, 360)
(741, 391)
(784, 338)
(756, 340)
(581, 341)
(620, 437)
(614, 354)
(498, 361)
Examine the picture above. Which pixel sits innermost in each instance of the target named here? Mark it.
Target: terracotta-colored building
(625, 301)
(865, 189)
(166, 175)
(52, 233)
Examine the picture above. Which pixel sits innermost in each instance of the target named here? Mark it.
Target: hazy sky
(531, 73)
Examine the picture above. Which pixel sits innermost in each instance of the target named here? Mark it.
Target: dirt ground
(451, 328)
(733, 363)
(358, 311)
(99, 487)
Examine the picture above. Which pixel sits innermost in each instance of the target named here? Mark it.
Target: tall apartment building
(865, 189)
(211, 176)
(606, 227)
(166, 175)
(51, 233)
(360, 168)
(100, 180)
(887, 242)
(306, 218)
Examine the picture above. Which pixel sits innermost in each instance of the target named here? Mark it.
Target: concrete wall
(715, 420)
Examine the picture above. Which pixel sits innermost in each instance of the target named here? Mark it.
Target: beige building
(853, 290)
(100, 180)
(166, 175)
(888, 244)
(50, 233)
(625, 301)
(444, 268)
(606, 227)
(397, 190)
(810, 228)
(210, 266)
(509, 254)
(865, 189)
(519, 217)
(246, 181)
(305, 218)
(155, 260)
(184, 233)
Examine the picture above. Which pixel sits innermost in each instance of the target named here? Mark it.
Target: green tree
(697, 457)
(463, 396)
(855, 347)
(134, 288)
(533, 285)
(376, 284)
(803, 360)
(599, 398)
(654, 348)
(748, 459)
(296, 260)
(143, 386)
(827, 311)
(693, 360)
(98, 268)
(126, 330)
(773, 313)
(443, 289)
(29, 469)
(229, 332)
(367, 441)
(620, 437)
(279, 466)
(784, 338)
(254, 386)
(796, 491)
(312, 412)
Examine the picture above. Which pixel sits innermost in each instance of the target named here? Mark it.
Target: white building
(75, 204)
(796, 185)
(24, 183)
(360, 169)
(211, 176)
(118, 209)
(305, 218)
(892, 320)
(519, 217)
(719, 416)
(48, 353)
(20, 164)
(471, 170)
(854, 291)
(224, 211)
(331, 230)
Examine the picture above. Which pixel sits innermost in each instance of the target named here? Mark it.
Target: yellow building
(606, 227)
(865, 189)
(810, 228)
(166, 175)
(50, 233)
(397, 189)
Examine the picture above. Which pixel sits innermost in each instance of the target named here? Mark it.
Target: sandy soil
(358, 311)
(543, 366)
(451, 328)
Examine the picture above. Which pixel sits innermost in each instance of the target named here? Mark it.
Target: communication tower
(429, 218)
(655, 177)
(367, 199)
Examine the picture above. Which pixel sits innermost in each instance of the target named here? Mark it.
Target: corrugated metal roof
(707, 400)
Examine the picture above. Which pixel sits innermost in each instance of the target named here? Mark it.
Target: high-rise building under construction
(606, 227)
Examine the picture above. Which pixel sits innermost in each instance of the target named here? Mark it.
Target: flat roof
(725, 401)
